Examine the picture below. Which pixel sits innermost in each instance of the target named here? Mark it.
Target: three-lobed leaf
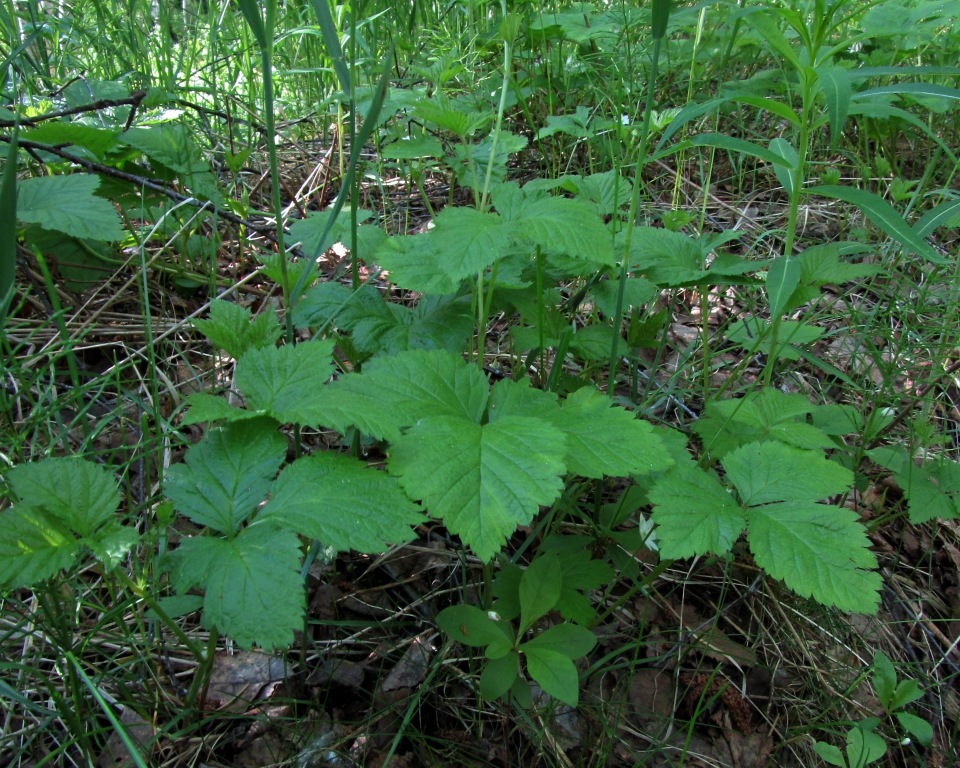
(232, 328)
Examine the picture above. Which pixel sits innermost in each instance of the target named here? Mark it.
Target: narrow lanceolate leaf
(81, 495)
(68, 204)
(884, 215)
(482, 481)
(342, 503)
(395, 392)
(8, 214)
(284, 381)
(252, 585)
(783, 277)
(742, 146)
(605, 441)
(786, 174)
(818, 551)
(694, 513)
(835, 87)
(227, 474)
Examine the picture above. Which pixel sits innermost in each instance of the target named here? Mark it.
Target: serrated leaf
(694, 513)
(253, 590)
(233, 329)
(482, 481)
(227, 474)
(518, 398)
(567, 227)
(767, 415)
(203, 407)
(499, 676)
(665, 257)
(771, 471)
(68, 204)
(316, 233)
(98, 140)
(540, 588)
(463, 243)
(112, 543)
(396, 392)
(818, 551)
(343, 504)
(604, 441)
(284, 381)
(471, 626)
(555, 673)
(34, 546)
(568, 639)
(81, 494)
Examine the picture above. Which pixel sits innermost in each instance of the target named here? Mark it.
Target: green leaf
(227, 474)
(112, 543)
(562, 226)
(203, 407)
(881, 213)
(499, 676)
(694, 513)
(818, 551)
(343, 504)
(785, 173)
(68, 204)
(917, 727)
(864, 746)
(34, 546)
(540, 588)
(252, 584)
(746, 332)
(907, 692)
(482, 481)
(782, 280)
(884, 680)
(284, 381)
(233, 329)
(99, 141)
(568, 639)
(829, 754)
(8, 214)
(604, 441)
(463, 243)
(765, 415)
(765, 24)
(835, 87)
(80, 494)
(740, 146)
(555, 673)
(396, 392)
(316, 233)
(471, 626)
(772, 471)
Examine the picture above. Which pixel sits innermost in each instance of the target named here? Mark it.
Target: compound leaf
(694, 513)
(482, 481)
(284, 381)
(227, 474)
(818, 551)
(607, 441)
(395, 392)
(342, 503)
(560, 225)
(253, 590)
(771, 471)
(68, 204)
(233, 329)
(34, 546)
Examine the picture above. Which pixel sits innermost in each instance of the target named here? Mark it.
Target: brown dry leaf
(241, 680)
(714, 642)
(142, 733)
(412, 667)
(651, 696)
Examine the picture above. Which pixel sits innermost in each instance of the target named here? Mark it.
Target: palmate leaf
(227, 474)
(253, 590)
(284, 381)
(482, 481)
(233, 329)
(341, 503)
(68, 204)
(395, 392)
